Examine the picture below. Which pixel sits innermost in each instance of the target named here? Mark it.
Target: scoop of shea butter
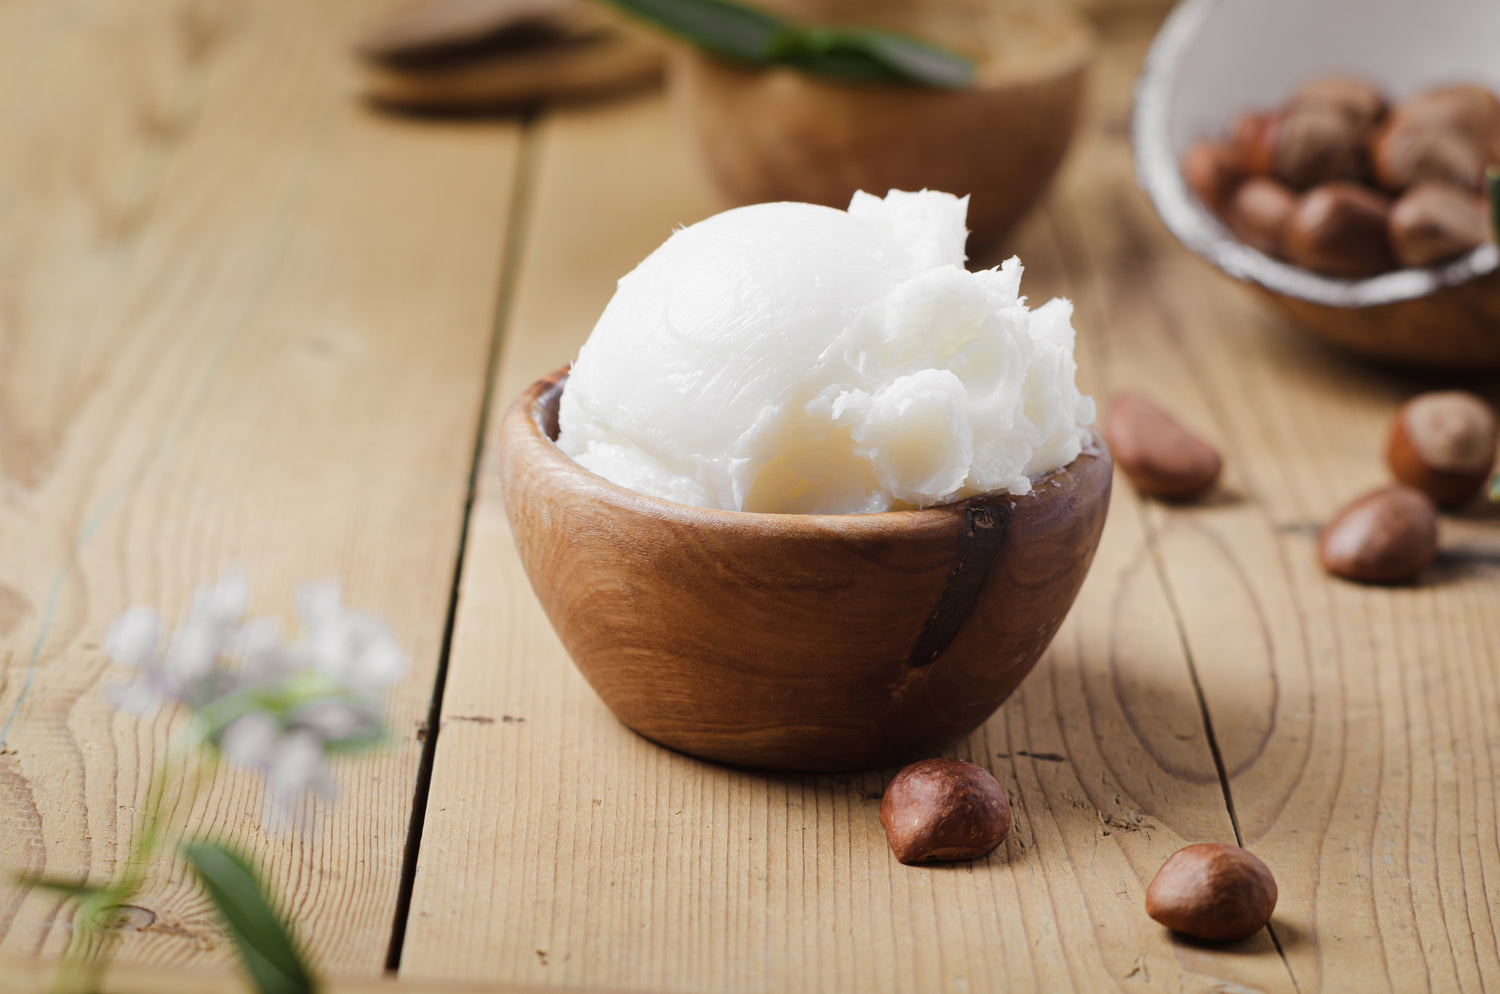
(789, 357)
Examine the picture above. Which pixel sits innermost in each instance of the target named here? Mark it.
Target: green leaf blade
(745, 34)
(1492, 184)
(728, 29)
(72, 889)
(911, 60)
(265, 944)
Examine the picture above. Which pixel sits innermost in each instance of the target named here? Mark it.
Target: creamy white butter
(789, 357)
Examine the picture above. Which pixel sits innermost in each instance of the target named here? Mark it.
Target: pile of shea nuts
(1339, 182)
(1441, 450)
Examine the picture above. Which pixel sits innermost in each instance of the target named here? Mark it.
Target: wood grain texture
(29, 976)
(561, 848)
(1351, 721)
(241, 320)
(817, 643)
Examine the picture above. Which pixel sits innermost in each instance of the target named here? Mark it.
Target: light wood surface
(1351, 720)
(562, 848)
(243, 319)
(27, 976)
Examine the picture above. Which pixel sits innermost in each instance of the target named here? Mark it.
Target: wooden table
(244, 319)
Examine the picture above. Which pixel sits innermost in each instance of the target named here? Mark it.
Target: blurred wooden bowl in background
(778, 134)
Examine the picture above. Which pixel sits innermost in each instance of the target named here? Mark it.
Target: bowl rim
(1159, 174)
(527, 412)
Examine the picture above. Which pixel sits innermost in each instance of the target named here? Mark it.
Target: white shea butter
(789, 357)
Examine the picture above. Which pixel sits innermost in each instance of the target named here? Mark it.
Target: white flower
(131, 639)
(224, 603)
(137, 697)
(273, 706)
(257, 645)
(337, 721)
(295, 766)
(249, 739)
(355, 649)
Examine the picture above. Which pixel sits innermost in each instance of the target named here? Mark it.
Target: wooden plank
(242, 319)
(1354, 722)
(561, 848)
(29, 976)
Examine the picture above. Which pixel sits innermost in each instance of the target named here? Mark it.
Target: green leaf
(1492, 183)
(67, 888)
(265, 943)
(742, 33)
(729, 29)
(890, 55)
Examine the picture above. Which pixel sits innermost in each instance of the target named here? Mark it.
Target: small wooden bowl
(789, 641)
(1215, 59)
(776, 134)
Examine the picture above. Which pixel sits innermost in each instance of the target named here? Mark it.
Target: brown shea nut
(1212, 891)
(1258, 211)
(1407, 150)
(1339, 229)
(1358, 100)
(1254, 142)
(941, 810)
(1386, 536)
(1212, 172)
(1466, 108)
(1443, 443)
(1162, 458)
(1435, 222)
(1318, 144)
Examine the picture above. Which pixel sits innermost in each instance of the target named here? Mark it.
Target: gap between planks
(1073, 247)
(515, 241)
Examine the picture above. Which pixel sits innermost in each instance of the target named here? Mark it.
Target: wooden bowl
(777, 134)
(1215, 59)
(792, 641)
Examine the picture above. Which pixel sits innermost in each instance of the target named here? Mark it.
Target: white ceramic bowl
(1215, 59)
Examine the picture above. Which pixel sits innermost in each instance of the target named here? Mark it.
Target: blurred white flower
(277, 707)
(337, 721)
(183, 670)
(131, 639)
(296, 765)
(355, 648)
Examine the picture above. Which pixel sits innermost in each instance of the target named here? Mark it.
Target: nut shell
(1254, 142)
(1435, 222)
(1358, 100)
(1212, 891)
(1317, 144)
(1340, 229)
(940, 810)
(1258, 212)
(1466, 108)
(1161, 457)
(1407, 151)
(1443, 443)
(1212, 172)
(1386, 536)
